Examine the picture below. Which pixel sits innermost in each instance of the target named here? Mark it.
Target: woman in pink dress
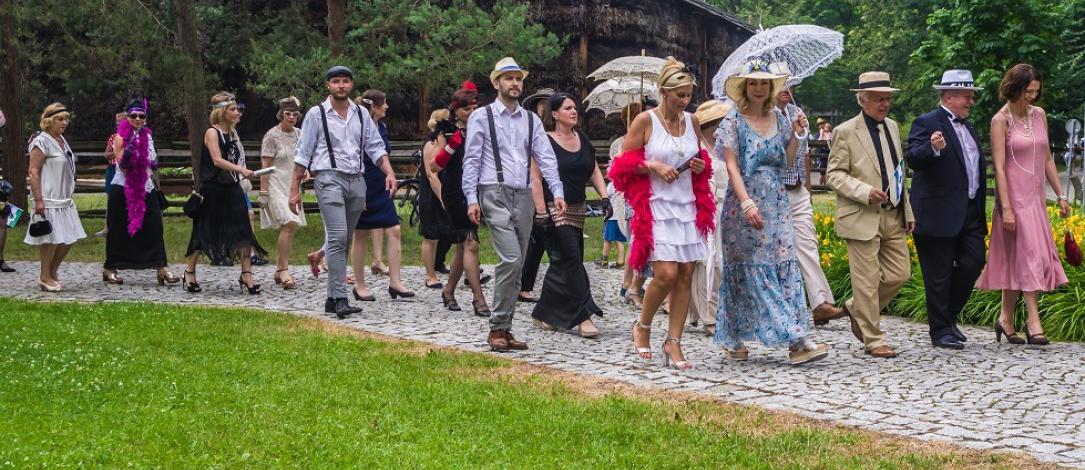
(1023, 256)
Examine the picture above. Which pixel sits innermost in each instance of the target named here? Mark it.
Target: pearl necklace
(1028, 132)
(670, 133)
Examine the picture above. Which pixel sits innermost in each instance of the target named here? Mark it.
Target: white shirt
(152, 155)
(512, 140)
(971, 153)
(346, 136)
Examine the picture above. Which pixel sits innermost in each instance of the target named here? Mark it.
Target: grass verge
(146, 385)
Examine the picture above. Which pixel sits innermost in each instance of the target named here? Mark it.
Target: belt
(793, 186)
(889, 207)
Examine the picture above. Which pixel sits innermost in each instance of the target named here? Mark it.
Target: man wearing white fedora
(948, 192)
(873, 214)
(503, 139)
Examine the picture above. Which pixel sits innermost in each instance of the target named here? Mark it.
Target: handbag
(193, 205)
(1073, 251)
(40, 228)
(163, 203)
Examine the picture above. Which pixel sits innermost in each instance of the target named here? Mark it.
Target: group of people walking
(717, 203)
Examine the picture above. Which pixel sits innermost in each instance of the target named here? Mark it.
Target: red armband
(445, 154)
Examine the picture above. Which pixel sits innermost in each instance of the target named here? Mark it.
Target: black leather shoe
(441, 269)
(340, 307)
(960, 336)
(948, 342)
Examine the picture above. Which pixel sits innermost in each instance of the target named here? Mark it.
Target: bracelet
(1060, 198)
(803, 136)
(747, 205)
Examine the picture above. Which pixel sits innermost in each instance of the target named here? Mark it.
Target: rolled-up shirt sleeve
(472, 157)
(548, 162)
(303, 153)
(374, 144)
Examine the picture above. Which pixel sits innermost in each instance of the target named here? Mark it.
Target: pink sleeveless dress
(1027, 259)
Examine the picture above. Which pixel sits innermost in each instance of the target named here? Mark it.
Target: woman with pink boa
(135, 242)
(664, 173)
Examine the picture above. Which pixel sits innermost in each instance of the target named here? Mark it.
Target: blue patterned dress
(761, 297)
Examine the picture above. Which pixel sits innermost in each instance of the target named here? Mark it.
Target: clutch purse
(193, 204)
(40, 228)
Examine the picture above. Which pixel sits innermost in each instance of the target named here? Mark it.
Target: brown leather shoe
(514, 343)
(882, 351)
(827, 312)
(497, 341)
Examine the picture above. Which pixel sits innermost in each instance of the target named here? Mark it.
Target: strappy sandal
(642, 352)
(111, 278)
(290, 284)
(669, 361)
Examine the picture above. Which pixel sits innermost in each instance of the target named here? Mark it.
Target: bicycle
(411, 187)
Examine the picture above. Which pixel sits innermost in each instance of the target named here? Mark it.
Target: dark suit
(950, 226)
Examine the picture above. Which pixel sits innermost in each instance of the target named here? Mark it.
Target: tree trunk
(195, 102)
(337, 26)
(15, 165)
(423, 109)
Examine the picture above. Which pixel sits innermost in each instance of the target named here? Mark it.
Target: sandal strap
(643, 326)
(672, 339)
(276, 272)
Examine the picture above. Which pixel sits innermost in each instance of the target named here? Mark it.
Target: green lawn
(147, 385)
(309, 238)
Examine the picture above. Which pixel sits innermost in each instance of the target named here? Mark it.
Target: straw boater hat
(757, 69)
(506, 65)
(957, 80)
(874, 81)
(711, 110)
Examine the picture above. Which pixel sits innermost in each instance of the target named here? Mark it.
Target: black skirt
(565, 300)
(222, 228)
(144, 250)
(456, 208)
(433, 222)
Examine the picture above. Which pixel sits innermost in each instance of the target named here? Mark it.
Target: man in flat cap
(334, 136)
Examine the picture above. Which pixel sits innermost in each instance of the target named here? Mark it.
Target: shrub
(1062, 311)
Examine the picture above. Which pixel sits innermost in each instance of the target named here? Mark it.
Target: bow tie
(960, 120)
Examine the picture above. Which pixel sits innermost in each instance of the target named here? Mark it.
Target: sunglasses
(138, 116)
(241, 107)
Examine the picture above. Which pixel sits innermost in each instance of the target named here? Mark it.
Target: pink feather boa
(135, 162)
(638, 193)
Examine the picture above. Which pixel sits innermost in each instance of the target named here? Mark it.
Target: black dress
(380, 209)
(455, 200)
(565, 300)
(222, 227)
(146, 249)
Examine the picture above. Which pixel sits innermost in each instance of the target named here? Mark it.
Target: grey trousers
(341, 197)
(509, 213)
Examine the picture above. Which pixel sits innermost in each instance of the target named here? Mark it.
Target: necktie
(888, 166)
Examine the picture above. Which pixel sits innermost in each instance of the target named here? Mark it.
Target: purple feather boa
(135, 162)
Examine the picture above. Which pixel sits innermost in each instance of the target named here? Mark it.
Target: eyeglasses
(241, 107)
(138, 116)
(291, 113)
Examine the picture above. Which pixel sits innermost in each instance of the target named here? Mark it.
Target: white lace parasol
(638, 66)
(614, 94)
(804, 48)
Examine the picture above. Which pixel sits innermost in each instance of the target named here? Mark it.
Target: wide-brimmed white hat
(957, 80)
(874, 81)
(506, 65)
(757, 69)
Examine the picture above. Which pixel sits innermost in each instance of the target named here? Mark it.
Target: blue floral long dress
(761, 297)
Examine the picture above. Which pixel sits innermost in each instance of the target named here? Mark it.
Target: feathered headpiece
(465, 96)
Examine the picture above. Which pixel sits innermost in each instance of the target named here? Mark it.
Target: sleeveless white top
(674, 208)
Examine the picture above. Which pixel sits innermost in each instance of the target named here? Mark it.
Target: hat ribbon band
(874, 84)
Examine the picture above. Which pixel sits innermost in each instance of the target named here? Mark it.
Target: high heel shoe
(669, 361)
(167, 277)
(406, 294)
(111, 278)
(1011, 338)
(363, 298)
(253, 289)
(193, 287)
(287, 285)
(643, 352)
(1037, 339)
(481, 313)
(450, 303)
(48, 287)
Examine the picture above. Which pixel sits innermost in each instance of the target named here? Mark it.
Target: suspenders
(328, 138)
(497, 151)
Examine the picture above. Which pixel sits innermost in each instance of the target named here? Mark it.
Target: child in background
(612, 234)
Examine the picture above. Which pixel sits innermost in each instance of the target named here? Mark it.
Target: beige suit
(876, 237)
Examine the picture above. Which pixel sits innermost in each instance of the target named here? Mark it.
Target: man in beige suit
(872, 210)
